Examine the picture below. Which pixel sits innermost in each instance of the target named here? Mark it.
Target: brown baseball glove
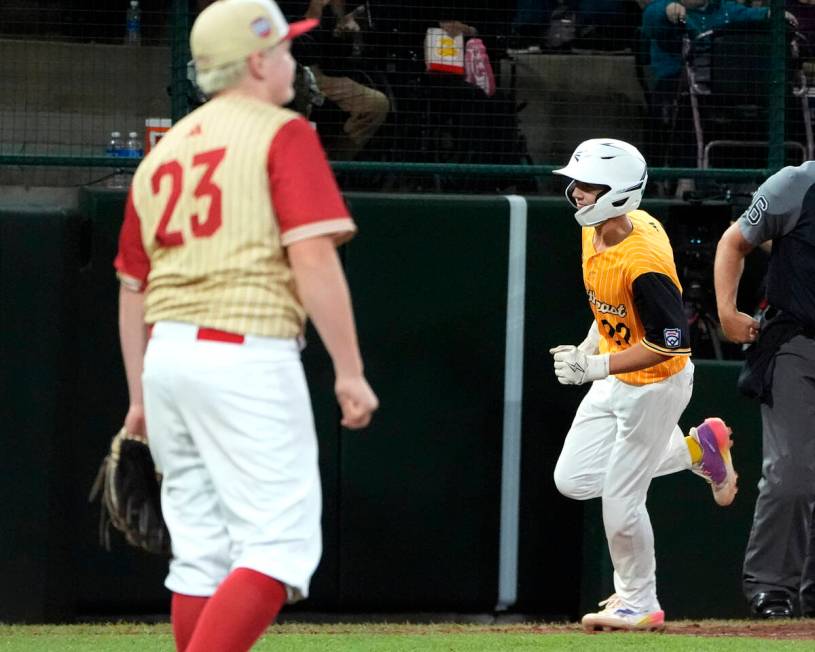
(129, 490)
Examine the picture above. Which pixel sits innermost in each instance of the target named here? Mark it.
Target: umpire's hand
(738, 326)
(357, 401)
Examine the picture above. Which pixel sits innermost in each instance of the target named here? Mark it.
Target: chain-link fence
(437, 95)
(70, 75)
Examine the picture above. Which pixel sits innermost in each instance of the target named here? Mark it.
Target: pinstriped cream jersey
(609, 277)
(215, 209)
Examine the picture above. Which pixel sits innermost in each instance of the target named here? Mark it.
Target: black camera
(694, 230)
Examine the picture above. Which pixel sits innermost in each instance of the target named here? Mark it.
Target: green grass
(401, 638)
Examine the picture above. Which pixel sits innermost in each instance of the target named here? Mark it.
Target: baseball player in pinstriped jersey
(636, 356)
(228, 243)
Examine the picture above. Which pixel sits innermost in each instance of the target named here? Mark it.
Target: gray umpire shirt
(783, 210)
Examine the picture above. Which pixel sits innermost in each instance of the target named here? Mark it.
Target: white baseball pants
(231, 429)
(623, 436)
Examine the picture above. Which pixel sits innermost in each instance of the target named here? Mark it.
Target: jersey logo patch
(756, 211)
(673, 337)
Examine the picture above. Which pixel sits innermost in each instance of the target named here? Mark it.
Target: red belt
(212, 334)
(219, 336)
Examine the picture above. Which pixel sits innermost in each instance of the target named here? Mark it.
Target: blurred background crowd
(531, 78)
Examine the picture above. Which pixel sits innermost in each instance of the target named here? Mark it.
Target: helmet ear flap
(569, 190)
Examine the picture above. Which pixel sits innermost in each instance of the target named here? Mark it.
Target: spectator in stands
(529, 20)
(804, 12)
(664, 23)
(455, 16)
(405, 23)
(458, 117)
(330, 55)
(607, 24)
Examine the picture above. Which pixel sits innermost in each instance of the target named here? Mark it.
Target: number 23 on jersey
(619, 333)
(173, 172)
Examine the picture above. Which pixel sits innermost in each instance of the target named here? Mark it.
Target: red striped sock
(185, 610)
(244, 605)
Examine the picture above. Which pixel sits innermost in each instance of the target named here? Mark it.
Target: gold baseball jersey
(635, 295)
(211, 210)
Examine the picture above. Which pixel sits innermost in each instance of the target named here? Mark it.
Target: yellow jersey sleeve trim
(342, 228)
(663, 350)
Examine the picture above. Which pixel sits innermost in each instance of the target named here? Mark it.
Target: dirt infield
(799, 630)
(792, 630)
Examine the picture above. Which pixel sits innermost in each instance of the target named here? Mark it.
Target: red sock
(244, 605)
(185, 610)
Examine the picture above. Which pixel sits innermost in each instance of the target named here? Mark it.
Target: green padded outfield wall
(420, 488)
(105, 582)
(556, 313)
(412, 506)
(41, 258)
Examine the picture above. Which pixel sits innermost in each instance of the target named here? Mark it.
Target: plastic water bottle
(116, 145)
(133, 24)
(134, 147)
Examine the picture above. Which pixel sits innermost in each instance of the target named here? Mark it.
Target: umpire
(779, 564)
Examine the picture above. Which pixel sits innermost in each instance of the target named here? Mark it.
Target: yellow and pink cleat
(713, 437)
(615, 616)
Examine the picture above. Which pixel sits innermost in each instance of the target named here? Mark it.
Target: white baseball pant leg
(231, 429)
(623, 436)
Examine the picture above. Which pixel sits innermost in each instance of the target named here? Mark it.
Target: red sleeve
(132, 261)
(305, 196)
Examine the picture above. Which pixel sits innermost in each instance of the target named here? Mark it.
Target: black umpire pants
(781, 550)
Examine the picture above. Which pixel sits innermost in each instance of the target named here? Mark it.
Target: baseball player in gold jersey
(228, 242)
(637, 358)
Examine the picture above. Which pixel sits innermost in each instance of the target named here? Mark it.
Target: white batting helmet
(612, 163)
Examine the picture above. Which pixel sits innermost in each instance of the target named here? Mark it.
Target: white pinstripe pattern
(609, 276)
